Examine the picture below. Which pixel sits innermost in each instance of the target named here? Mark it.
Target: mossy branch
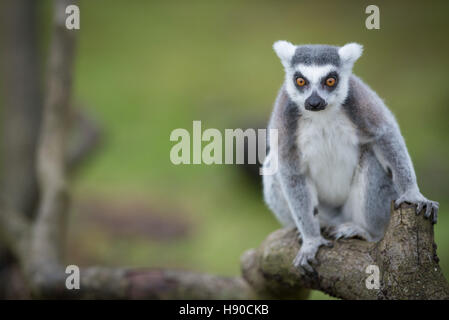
(406, 258)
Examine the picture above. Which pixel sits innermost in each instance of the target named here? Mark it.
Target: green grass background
(144, 68)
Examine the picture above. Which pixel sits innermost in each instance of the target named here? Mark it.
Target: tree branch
(406, 257)
(122, 283)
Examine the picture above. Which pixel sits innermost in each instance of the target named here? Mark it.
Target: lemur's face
(316, 76)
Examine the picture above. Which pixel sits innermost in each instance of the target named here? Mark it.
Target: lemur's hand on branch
(307, 253)
(414, 196)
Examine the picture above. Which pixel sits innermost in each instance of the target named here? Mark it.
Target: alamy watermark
(72, 282)
(72, 21)
(190, 150)
(373, 20)
(373, 280)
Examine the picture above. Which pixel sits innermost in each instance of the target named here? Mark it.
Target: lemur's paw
(416, 198)
(307, 253)
(349, 230)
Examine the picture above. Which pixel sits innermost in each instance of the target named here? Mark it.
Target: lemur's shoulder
(366, 109)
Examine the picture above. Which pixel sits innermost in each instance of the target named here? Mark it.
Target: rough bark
(406, 258)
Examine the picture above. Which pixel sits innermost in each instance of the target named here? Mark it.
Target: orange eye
(330, 82)
(300, 82)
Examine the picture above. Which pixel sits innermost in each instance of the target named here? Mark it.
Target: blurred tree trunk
(22, 108)
(21, 117)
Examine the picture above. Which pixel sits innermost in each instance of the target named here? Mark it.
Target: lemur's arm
(299, 193)
(391, 151)
(380, 128)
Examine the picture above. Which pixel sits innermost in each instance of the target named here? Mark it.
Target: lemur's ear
(285, 51)
(350, 52)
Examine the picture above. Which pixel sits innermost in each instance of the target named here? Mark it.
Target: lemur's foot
(307, 253)
(416, 198)
(349, 230)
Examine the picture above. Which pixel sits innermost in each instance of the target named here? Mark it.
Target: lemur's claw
(349, 230)
(435, 215)
(307, 254)
(421, 202)
(302, 264)
(329, 244)
(431, 206)
(419, 207)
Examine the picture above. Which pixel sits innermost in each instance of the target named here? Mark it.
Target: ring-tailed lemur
(341, 156)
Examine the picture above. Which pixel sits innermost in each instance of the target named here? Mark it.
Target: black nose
(315, 102)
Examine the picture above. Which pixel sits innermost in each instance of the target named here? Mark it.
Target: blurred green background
(144, 68)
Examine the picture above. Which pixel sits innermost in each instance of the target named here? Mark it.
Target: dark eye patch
(332, 74)
(300, 75)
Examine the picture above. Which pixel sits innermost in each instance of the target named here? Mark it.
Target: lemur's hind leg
(367, 210)
(329, 217)
(276, 201)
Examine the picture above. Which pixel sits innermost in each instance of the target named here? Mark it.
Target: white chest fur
(329, 154)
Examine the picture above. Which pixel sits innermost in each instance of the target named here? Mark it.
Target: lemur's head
(316, 76)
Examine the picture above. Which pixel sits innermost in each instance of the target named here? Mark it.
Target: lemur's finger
(301, 263)
(428, 210)
(306, 266)
(435, 215)
(296, 262)
(419, 207)
(397, 203)
(328, 243)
